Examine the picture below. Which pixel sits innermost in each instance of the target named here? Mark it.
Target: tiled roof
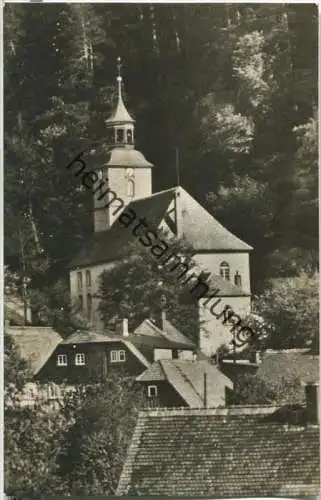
(158, 342)
(148, 327)
(106, 246)
(236, 452)
(35, 344)
(120, 157)
(87, 337)
(289, 364)
(200, 230)
(187, 378)
(120, 114)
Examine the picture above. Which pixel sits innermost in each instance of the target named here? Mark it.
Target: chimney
(255, 357)
(125, 327)
(6, 323)
(160, 320)
(122, 327)
(163, 321)
(312, 403)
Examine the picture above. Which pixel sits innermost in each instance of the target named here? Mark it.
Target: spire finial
(119, 65)
(119, 78)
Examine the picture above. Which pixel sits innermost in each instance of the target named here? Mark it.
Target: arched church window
(237, 279)
(120, 135)
(130, 188)
(89, 306)
(225, 271)
(129, 136)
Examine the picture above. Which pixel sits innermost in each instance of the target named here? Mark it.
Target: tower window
(225, 271)
(130, 188)
(130, 136)
(120, 135)
(80, 302)
(237, 279)
(88, 279)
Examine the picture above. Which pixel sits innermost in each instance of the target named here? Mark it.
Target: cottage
(179, 383)
(36, 345)
(225, 452)
(89, 357)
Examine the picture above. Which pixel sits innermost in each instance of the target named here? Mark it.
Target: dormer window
(238, 279)
(225, 271)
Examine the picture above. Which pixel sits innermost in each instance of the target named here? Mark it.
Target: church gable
(202, 231)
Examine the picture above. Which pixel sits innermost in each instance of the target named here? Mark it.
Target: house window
(237, 279)
(79, 281)
(225, 271)
(80, 359)
(53, 391)
(62, 360)
(89, 305)
(117, 356)
(152, 391)
(88, 279)
(130, 188)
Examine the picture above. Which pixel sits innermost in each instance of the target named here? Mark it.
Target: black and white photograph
(161, 250)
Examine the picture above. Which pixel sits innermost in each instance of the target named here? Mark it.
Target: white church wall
(95, 271)
(238, 262)
(213, 332)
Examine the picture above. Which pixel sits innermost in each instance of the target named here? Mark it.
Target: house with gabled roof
(236, 452)
(124, 192)
(88, 357)
(179, 383)
(35, 345)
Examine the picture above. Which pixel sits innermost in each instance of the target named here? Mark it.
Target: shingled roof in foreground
(222, 452)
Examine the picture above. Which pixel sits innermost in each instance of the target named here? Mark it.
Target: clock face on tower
(129, 172)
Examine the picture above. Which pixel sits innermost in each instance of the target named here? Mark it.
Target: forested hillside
(234, 87)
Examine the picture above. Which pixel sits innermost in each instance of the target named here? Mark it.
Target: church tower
(125, 172)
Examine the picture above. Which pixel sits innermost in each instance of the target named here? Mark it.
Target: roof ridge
(153, 195)
(160, 361)
(214, 411)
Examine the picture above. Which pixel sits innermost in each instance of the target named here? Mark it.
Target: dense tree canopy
(232, 86)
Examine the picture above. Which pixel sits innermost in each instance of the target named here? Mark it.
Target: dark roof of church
(199, 229)
(221, 453)
(127, 157)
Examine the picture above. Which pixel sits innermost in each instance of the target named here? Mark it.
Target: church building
(126, 172)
